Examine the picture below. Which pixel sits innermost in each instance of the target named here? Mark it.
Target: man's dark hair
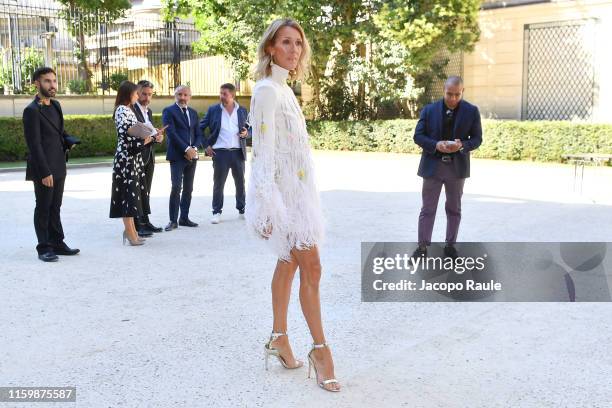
(145, 84)
(229, 87)
(42, 71)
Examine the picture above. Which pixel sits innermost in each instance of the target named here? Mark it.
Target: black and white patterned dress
(128, 168)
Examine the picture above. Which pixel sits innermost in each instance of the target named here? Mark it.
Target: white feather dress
(282, 192)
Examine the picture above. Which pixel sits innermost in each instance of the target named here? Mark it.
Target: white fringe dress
(282, 193)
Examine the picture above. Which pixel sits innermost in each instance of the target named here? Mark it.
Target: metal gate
(559, 70)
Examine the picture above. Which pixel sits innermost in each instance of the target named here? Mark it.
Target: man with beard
(48, 146)
(145, 115)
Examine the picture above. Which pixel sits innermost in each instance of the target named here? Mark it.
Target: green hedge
(502, 139)
(508, 140)
(97, 133)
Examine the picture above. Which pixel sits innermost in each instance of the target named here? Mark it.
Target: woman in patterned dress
(128, 173)
(282, 200)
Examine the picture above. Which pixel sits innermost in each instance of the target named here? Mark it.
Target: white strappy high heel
(271, 351)
(311, 363)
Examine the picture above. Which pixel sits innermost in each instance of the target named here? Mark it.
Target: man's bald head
(454, 81)
(453, 91)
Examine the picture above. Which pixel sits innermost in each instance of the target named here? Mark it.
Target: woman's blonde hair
(262, 68)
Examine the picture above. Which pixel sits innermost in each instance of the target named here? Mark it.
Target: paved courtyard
(181, 322)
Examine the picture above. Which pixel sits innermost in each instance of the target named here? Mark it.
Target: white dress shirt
(183, 113)
(144, 111)
(188, 121)
(228, 135)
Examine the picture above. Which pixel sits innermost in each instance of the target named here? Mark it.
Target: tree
(359, 60)
(426, 28)
(84, 17)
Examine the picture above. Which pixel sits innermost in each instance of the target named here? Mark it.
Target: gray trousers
(432, 186)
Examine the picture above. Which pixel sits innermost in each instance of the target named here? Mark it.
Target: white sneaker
(216, 218)
(241, 216)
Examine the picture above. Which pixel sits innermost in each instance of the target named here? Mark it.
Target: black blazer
(212, 121)
(148, 151)
(47, 145)
(429, 131)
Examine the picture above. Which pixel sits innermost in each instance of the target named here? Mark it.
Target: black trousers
(223, 161)
(47, 222)
(181, 173)
(149, 169)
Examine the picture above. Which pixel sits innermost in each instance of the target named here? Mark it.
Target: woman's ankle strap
(318, 346)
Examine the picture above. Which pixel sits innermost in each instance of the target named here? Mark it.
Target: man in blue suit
(184, 138)
(226, 145)
(447, 131)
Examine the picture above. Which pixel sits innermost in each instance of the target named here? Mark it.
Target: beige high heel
(311, 364)
(271, 351)
(132, 243)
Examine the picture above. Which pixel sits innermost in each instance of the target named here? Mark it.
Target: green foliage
(116, 79)
(425, 27)
(362, 55)
(97, 133)
(508, 140)
(77, 86)
(544, 141)
(6, 73)
(85, 16)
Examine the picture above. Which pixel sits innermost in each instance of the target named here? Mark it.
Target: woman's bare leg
(310, 276)
(281, 292)
(130, 228)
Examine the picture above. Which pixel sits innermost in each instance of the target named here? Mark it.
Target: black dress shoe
(144, 233)
(65, 250)
(152, 228)
(187, 223)
(420, 252)
(48, 257)
(450, 252)
(171, 225)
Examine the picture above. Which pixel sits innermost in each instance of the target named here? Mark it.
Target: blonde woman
(282, 199)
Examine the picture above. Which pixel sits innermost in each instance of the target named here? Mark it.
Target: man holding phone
(447, 130)
(226, 144)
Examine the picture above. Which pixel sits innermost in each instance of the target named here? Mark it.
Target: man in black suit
(447, 131)
(48, 146)
(145, 115)
(226, 144)
(184, 138)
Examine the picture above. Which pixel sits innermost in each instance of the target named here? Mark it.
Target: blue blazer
(429, 131)
(212, 121)
(179, 134)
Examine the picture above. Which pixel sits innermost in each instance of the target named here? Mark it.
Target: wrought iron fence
(93, 54)
(559, 72)
(444, 65)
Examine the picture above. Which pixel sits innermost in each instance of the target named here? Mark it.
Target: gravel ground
(181, 322)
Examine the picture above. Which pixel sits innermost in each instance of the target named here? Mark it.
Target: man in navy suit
(184, 138)
(447, 131)
(226, 145)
